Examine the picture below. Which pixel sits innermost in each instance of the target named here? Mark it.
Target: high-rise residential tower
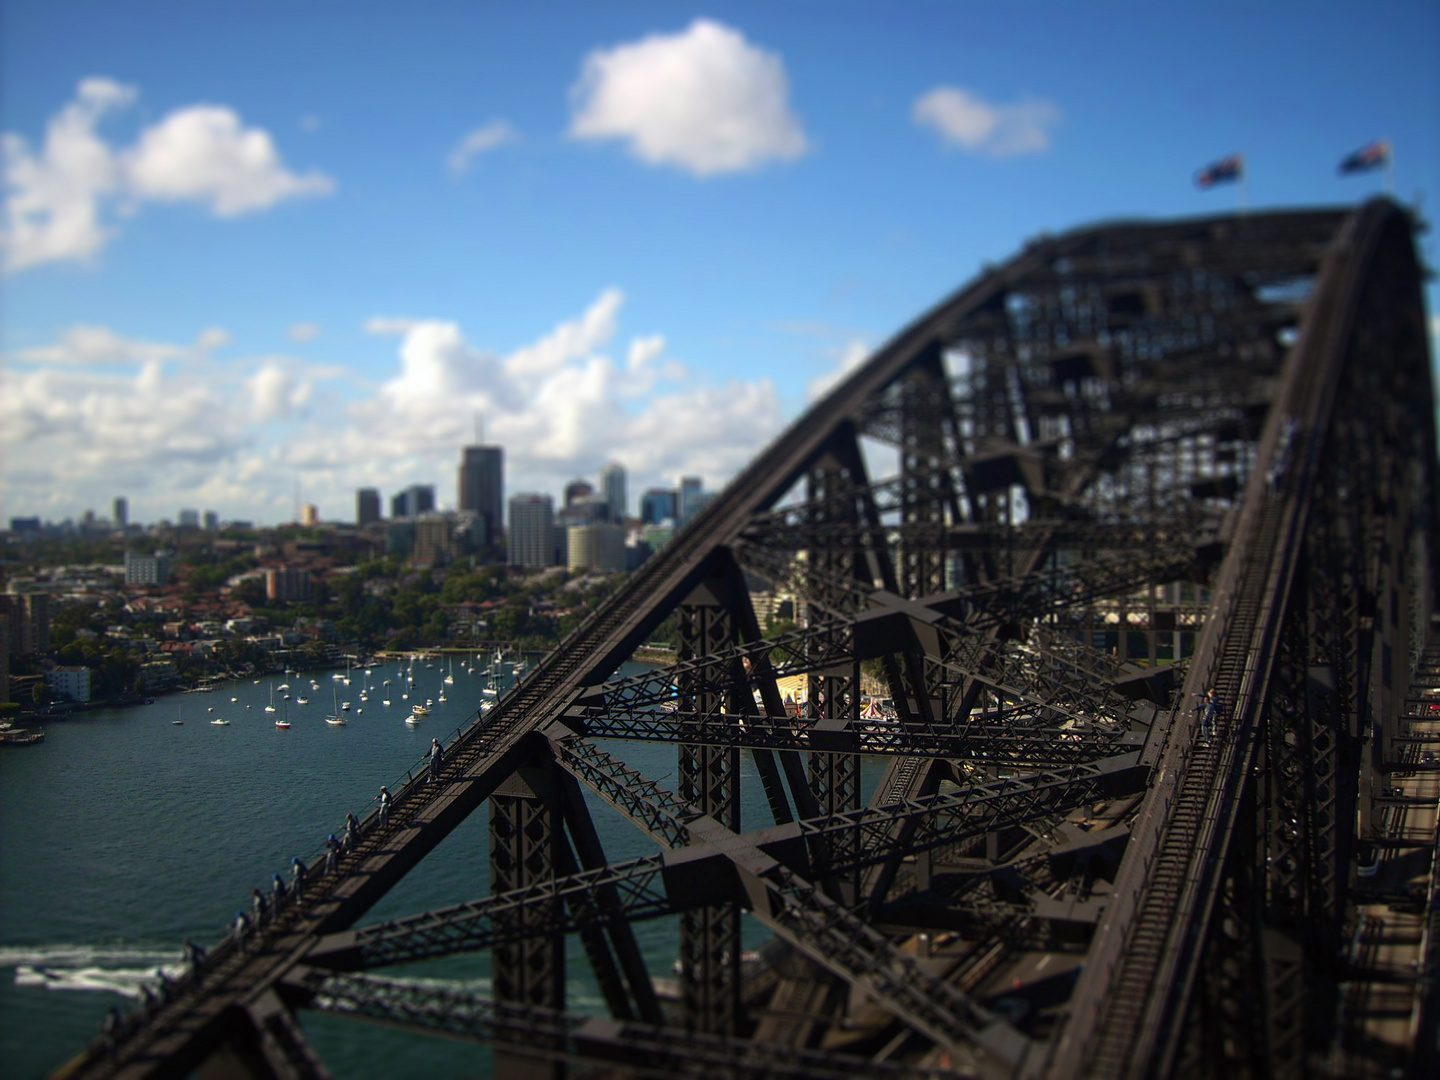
(612, 486)
(481, 487)
(531, 540)
(120, 512)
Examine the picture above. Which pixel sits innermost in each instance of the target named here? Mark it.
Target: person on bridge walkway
(298, 873)
(384, 800)
(111, 1028)
(166, 986)
(194, 955)
(277, 894)
(437, 758)
(332, 853)
(242, 927)
(1209, 710)
(258, 907)
(352, 833)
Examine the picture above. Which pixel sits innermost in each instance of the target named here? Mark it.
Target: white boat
(344, 706)
(271, 706)
(234, 699)
(335, 720)
(450, 678)
(386, 702)
(283, 686)
(419, 710)
(179, 717)
(282, 723)
(412, 719)
(218, 722)
(302, 701)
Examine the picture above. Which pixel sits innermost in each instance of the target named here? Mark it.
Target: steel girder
(1106, 472)
(638, 1048)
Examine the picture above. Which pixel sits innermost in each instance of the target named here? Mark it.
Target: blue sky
(250, 245)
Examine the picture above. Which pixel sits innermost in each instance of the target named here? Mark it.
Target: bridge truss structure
(1137, 462)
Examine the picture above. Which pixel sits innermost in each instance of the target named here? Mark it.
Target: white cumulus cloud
(276, 391)
(492, 135)
(52, 196)
(206, 154)
(964, 119)
(705, 100)
(60, 199)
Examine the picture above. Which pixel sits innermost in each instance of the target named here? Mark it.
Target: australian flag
(1227, 168)
(1367, 157)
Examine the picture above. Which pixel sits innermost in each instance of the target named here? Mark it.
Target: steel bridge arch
(1137, 461)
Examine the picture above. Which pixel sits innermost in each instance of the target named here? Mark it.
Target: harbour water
(123, 834)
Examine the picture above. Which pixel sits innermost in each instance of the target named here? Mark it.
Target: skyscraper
(576, 490)
(120, 513)
(367, 506)
(413, 501)
(657, 505)
(691, 498)
(612, 484)
(531, 540)
(481, 487)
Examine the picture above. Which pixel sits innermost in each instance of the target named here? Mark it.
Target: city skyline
(221, 285)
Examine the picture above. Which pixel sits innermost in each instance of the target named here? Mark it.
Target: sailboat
(284, 722)
(179, 719)
(271, 706)
(335, 719)
(450, 678)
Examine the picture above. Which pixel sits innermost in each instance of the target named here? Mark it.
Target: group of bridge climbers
(265, 909)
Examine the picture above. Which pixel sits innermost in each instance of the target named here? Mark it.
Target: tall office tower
(367, 506)
(211, 520)
(482, 487)
(692, 492)
(657, 505)
(576, 490)
(531, 539)
(189, 519)
(120, 512)
(413, 501)
(612, 485)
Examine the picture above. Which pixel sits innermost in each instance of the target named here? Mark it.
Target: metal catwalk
(1139, 462)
